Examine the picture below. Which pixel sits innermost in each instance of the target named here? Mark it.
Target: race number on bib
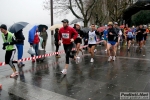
(91, 38)
(65, 35)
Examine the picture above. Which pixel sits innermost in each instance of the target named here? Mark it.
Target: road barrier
(41, 56)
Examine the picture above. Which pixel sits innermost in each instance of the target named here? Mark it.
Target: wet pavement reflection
(100, 80)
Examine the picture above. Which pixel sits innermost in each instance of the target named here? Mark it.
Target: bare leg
(129, 44)
(115, 48)
(92, 51)
(141, 44)
(66, 66)
(108, 49)
(89, 50)
(78, 48)
(105, 43)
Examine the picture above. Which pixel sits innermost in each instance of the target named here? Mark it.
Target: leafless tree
(117, 7)
(100, 12)
(82, 9)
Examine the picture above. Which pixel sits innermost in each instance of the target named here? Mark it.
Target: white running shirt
(92, 37)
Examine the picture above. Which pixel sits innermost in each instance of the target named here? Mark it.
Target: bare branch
(73, 12)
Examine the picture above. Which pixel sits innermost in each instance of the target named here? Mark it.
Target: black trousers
(68, 48)
(57, 47)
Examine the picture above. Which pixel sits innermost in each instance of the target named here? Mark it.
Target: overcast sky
(31, 11)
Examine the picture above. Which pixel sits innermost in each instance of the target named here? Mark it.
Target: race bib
(91, 38)
(65, 35)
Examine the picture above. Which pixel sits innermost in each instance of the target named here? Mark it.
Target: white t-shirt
(92, 37)
(120, 32)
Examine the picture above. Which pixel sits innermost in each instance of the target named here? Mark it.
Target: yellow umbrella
(56, 26)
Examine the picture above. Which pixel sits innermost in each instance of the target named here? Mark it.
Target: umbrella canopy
(32, 34)
(52, 28)
(17, 26)
(86, 29)
(76, 20)
(101, 29)
(40, 27)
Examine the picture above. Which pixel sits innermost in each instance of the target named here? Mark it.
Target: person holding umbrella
(43, 34)
(34, 40)
(9, 46)
(19, 44)
(16, 28)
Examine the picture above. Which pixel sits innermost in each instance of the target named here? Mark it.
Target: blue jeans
(20, 51)
(36, 47)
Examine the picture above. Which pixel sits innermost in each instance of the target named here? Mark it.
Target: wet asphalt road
(85, 81)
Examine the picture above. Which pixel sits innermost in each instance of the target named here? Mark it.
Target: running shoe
(110, 58)
(114, 58)
(77, 59)
(92, 60)
(95, 50)
(13, 75)
(64, 71)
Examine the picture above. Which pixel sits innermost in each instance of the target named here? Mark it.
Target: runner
(104, 37)
(91, 38)
(137, 36)
(133, 30)
(129, 38)
(9, 46)
(145, 35)
(140, 32)
(68, 35)
(78, 40)
(118, 31)
(111, 41)
(126, 28)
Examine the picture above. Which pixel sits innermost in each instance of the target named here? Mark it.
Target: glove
(5, 44)
(4, 48)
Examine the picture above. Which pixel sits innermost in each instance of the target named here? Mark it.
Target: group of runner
(71, 37)
(111, 37)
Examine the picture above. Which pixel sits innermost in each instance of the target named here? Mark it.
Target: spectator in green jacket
(44, 35)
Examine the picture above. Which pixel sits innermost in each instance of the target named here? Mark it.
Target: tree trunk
(85, 23)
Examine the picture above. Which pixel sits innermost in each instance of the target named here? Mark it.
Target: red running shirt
(66, 34)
